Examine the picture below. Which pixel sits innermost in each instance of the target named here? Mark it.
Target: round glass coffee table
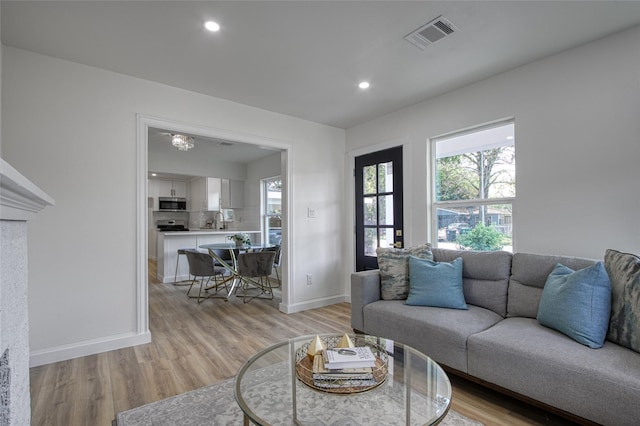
(415, 390)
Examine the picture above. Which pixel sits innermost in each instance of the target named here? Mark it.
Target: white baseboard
(312, 304)
(88, 347)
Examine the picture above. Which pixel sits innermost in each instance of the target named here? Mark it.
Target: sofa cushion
(394, 269)
(485, 276)
(521, 355)
(577, 303)
(437, 332)
(436, 284)
(529, 273)
(624, 273)
(365, 288)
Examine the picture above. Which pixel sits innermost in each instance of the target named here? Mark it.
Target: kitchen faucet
(215, 219)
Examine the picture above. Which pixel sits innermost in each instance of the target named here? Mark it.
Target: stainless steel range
(171, 225)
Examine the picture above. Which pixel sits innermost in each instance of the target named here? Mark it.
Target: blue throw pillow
(577, 303)
(437, 284)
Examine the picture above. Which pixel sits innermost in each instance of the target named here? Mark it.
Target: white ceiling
(305, 58)
(159, 143)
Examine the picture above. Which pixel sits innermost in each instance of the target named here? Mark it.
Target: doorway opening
(279, 150)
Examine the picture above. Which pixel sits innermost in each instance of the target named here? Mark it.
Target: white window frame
(436, 205)
(263, 207)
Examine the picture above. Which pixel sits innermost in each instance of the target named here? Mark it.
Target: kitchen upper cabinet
(205, 194)
(213, 194)
(180, 189)
(168, 188)
(232, 194)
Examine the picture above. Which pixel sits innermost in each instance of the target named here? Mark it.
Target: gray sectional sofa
(499, 342)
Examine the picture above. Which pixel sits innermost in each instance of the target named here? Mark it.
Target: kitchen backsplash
(199, 220)
(183, 216)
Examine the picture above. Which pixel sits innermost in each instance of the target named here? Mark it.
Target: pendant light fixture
(182, 142)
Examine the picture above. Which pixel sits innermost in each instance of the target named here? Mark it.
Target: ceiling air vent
(431, 32)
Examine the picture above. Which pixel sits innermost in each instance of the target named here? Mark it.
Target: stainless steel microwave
(172, 204)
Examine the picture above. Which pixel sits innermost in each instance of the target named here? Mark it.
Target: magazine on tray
(339, 358)
(322, 373)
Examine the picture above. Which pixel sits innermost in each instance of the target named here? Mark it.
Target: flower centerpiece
(240, 239)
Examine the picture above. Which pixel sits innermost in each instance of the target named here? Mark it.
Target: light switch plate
(311, 212)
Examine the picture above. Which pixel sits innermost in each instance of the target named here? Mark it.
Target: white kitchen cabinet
(205, 194)
(232, 194)
(167, 188)
(180, 189)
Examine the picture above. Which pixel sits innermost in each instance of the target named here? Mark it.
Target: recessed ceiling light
(212, 26)
(363, 85)
(153, 174)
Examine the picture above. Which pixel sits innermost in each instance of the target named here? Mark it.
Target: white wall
(14, 316)
(577, 146)
(199, 161)
(72, 130)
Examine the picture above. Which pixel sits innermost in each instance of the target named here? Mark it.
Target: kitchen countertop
(208, 232)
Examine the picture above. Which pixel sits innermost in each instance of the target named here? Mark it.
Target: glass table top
(416, 390)
(230, 246)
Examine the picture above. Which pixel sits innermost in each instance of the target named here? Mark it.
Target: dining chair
(181, 252)
(276, 261)
(201, 266)
(253, 270)
(222, 254)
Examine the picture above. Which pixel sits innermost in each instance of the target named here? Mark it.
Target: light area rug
(216, 405)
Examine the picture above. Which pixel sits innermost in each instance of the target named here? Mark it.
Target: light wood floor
(196, 345)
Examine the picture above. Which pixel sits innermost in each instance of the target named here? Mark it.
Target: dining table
(232, 246)
(234, 275)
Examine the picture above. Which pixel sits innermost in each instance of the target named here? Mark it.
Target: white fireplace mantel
(20, 199)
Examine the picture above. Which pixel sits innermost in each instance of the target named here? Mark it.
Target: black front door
(378, 204)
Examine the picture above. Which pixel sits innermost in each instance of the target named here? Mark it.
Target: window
(475, 188)
(272, 210)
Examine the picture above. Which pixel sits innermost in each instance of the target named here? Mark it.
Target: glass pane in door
(370, 211)
(386, 237)
(370, 184)
(370, 241)
(385, 177)
(385, 207)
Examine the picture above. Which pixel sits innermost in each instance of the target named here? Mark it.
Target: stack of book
(344, 368)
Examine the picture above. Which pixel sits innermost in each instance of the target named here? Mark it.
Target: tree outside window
(475, 187)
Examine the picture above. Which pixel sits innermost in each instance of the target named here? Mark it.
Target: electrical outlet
(309, 282)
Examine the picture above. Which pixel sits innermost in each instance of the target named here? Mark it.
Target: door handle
(398, 244)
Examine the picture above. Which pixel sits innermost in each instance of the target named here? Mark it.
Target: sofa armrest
(365, 288)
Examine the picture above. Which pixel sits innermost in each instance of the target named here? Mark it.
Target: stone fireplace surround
(20, 201)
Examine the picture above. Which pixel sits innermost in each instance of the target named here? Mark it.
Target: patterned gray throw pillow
(624, 274)
(394, 269)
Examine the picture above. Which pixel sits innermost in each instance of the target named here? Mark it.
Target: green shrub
(483, 238)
